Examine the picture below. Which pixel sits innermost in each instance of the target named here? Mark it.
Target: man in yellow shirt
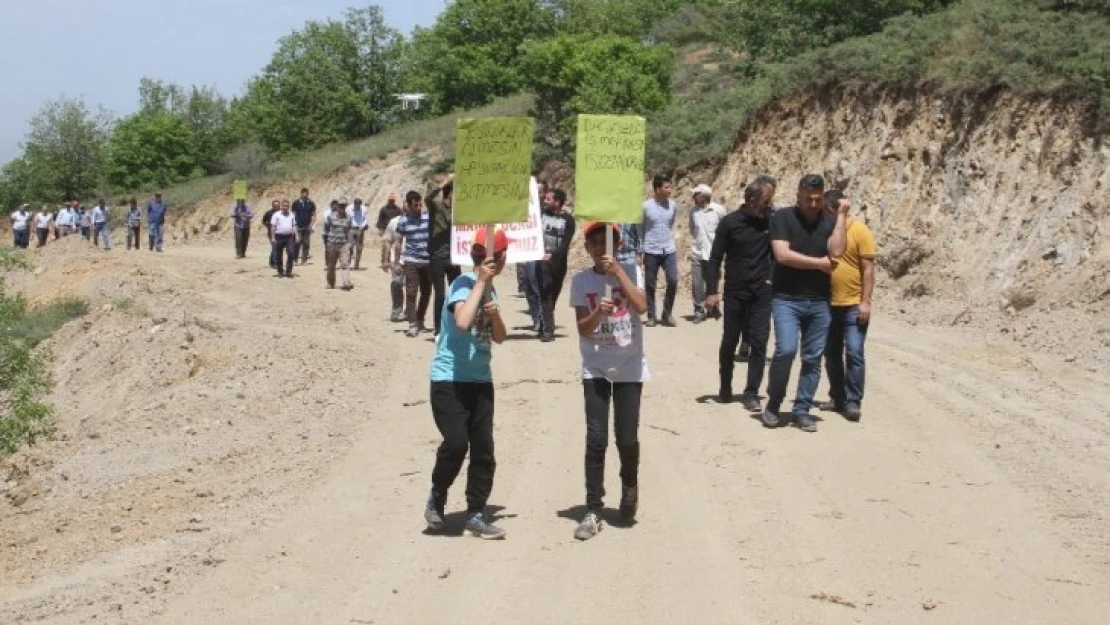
(853, 281)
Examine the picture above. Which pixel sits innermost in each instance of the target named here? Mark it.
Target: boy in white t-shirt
(608, 300)
(394, 266)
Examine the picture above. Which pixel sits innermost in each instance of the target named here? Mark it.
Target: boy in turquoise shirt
(462, 388)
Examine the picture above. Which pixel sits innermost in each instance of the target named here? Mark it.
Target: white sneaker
(589, 527)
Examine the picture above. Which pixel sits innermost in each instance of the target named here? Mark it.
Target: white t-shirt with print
(616, 350)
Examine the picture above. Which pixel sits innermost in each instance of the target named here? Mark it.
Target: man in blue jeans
(853, 281)
(659, 250)
(806, 242)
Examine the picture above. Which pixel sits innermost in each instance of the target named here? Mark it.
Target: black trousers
(747, 314)
(43, 233)
(625, 399)
(443, 274)
(242, 236)
(550, 277)
(304, 244)
(463, 412)
(287, 244)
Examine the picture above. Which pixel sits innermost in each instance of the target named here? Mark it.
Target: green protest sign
(493, 163)
(609, 168)
(239, 189)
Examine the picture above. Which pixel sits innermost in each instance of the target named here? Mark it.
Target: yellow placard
(493, 163)
(609, 168)
(239, 189)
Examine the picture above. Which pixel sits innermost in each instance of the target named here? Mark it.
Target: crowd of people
(94, 225)
(809, 268)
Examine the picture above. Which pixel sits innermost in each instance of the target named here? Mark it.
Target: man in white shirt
(360, 223)
(284, 236)
(705, 216)
(64, 222)
(393, 264)
(42, 225)
(101, 231)
(21, 226)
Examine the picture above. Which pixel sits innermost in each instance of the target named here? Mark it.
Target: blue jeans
(532, 292)
(669, 264)
(809, 319)
(155, 232)
(22, 238)
(844, 354)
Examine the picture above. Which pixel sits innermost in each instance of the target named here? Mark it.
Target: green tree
(584, 74)
(472, 54)
(202, 108)
(775, 29)
(627, 18)
(327, 82)
(17, 184)
(65, 149)
(151, 149)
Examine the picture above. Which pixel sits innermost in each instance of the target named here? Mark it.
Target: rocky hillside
(988, 207)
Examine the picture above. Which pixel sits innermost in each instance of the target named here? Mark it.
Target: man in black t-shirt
(304, 211)
(806, 241)
(743, 244)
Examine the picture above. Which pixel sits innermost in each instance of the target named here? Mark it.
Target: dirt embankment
(990, 209)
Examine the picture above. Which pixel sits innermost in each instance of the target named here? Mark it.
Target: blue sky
(99, 49)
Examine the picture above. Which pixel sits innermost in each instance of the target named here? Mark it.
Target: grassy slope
(424, 134)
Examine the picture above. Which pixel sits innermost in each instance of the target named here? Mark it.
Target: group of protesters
(808, 267)
(94, 225)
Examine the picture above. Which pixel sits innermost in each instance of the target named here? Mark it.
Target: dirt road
(975, 490)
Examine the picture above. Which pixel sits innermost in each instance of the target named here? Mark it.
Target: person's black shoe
(770, 418)
(699, 317)
(828, 406)
(852, 412)
(750, 403)
(668, 321)
(724, 396)
(805, 423)
(630, 500)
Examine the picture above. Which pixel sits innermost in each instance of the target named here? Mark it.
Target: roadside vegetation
(25, 379)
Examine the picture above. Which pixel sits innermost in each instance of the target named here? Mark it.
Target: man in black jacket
(438, 201)
(743, 244)
(551, 270)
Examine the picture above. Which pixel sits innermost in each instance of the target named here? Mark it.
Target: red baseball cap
(500, 240)
(594, 225)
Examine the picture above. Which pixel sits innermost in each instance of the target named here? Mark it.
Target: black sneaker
(750, 403)
(724, 396)
(852, 412)
(805, 423)
(770, 418)
(476, 524)
(668, 321)
(745, 352)
(699, 317)
(630, 499)
(828, 406)
(547, 338)
(433, 512)
(650, 323)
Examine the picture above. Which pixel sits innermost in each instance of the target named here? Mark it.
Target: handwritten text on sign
(609, 168)
(525, 238)
(493, 162)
